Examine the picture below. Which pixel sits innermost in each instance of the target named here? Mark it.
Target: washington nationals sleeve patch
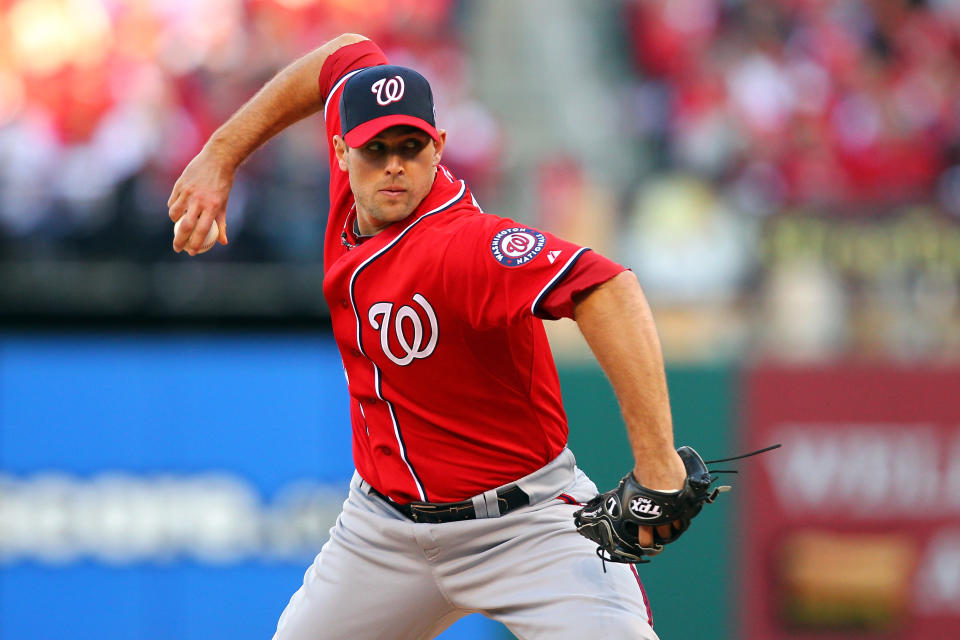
(516, 246)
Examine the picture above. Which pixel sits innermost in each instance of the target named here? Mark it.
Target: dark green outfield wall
(696, 568)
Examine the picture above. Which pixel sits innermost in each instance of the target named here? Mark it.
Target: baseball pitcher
(465, 498)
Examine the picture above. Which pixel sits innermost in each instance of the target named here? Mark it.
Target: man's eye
(375, 147)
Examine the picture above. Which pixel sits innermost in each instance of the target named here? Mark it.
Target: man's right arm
(617, 323)
(200, 194)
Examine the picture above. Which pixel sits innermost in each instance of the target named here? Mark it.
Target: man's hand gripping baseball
(199, 197)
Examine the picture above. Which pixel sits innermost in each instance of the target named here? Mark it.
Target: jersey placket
(385, 405)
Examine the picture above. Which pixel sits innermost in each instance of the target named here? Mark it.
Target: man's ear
(340, 148)
(438, 145)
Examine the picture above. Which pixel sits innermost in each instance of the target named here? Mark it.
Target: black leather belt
(508, 498)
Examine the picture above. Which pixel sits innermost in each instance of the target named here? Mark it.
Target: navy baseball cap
(385, 96)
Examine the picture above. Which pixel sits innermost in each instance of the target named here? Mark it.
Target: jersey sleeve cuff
(584, 270)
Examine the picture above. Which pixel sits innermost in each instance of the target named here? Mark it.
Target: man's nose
(394, 164)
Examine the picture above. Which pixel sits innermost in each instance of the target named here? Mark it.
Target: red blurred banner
(852, 529)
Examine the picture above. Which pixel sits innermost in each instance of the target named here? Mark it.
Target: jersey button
(343, 303)
(355, 352)
(383, 450)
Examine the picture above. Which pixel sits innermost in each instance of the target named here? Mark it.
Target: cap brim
(363, 133)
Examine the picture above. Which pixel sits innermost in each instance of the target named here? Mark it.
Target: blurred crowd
(850, 105)
(103, 102)
(802, 188)
(797, 187)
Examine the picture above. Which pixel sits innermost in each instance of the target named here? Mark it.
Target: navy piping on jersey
(564, 270)
(336, 86)
(376, 370)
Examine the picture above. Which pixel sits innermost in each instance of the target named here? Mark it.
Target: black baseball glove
(613, 519)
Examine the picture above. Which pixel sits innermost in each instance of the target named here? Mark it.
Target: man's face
(390, 175)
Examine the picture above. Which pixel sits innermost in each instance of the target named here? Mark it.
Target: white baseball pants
(381, 576)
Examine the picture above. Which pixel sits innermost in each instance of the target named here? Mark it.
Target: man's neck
(365, 226)
(356, 230)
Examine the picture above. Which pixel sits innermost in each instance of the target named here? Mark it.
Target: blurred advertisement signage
(170, 485)
(852, 529)
(121, 519)
(150, 484)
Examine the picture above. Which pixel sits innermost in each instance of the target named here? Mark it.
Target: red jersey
(453, 388)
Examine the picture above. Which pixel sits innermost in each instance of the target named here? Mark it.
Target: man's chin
(395, 211)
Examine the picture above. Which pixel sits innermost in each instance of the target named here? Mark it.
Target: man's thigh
(368, 581)
(542, 579)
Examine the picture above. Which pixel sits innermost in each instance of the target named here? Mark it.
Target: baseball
(209, 241)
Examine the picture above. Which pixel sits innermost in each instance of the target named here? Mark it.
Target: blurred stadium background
(782, 175)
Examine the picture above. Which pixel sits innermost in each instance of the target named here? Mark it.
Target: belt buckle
(434, 513)
(415, 513)
(424, 512)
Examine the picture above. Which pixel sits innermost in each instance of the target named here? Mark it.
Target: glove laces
(745, 455)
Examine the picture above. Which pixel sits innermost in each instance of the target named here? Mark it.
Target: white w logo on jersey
(379, 317)
(388, 90)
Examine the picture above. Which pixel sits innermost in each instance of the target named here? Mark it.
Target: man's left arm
(616, 322)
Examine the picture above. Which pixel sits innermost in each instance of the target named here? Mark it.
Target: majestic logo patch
(388, 90)
(553, 255)
(644, 508)
(517, 246)
(379, 317)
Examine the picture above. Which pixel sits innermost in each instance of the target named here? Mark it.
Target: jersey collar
(445, 186)
(350, 235)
